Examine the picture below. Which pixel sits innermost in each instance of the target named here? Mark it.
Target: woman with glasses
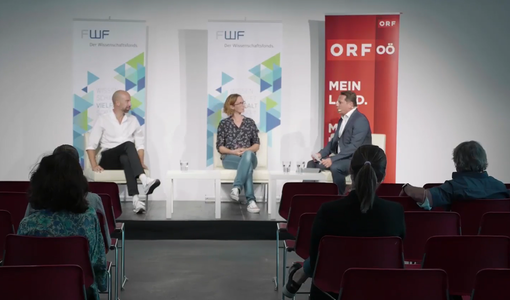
(237, 142)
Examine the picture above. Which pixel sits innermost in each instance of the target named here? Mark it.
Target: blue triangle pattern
(255, 70)
(277, 84)
(129, 85)
(75, 112)
(121, 70)
(209, 112)
(80, 104)
(219, 90)
(140, 119)
(264, 85)
(76, 135)
(225, 78)
(277, 72)
(141, 84)
(85, 89)
(271, 122)
(91, 78)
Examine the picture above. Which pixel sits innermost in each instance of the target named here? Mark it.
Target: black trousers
(339, 170)
(124, 157)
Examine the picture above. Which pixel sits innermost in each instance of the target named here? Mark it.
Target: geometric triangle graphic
(129, 85)
(218, 89)
(121, 70)
(225, 78)
(140, 119)
(275, 60)
(80, 104)
(255, 79)
(209, 112)
(75, 112)
(271, 122)
(255, 70)
(119, 78)
(268, 77)
(277, 84)
(277, 72)
(135, 102)
(140, 71)
(141, 84)
(138, 60)
(91, 78)
(89, 97)
(85, 89)
(132, 75)
(270, 104)
(80, 120)
(264, 85)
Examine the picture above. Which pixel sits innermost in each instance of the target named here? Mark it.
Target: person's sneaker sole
(293, 269)
(139, 211)
(153, 187)
(234, 197)
(250, 210)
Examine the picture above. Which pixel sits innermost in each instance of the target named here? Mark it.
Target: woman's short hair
(58, 184)
(470, 157)
(368, 168)
(231, 101)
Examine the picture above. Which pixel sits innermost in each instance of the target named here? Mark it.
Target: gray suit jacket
(356, 133)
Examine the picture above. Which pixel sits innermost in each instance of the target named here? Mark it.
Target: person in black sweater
(359, 214)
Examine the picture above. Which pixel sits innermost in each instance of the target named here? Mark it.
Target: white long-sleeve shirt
(109, 133)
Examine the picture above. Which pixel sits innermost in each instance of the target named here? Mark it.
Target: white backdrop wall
(453, 79)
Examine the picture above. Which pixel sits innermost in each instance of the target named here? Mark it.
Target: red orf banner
(362, 56)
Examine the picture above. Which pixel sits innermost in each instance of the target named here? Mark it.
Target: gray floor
(218, 270)
(195, 210)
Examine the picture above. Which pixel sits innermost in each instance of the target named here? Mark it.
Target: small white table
(291, 176)
(193, 174)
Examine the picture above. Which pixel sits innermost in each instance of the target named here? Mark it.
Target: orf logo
(230, 35)
(386, 23)
(96, 34)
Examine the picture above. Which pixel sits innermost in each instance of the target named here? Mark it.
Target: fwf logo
(96, 34)
(230, 35)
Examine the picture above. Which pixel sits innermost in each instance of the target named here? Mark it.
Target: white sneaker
(234, 194)
(138, 206)
(253, 208)
(151, 185)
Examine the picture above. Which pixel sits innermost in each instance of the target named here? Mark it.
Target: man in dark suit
(353, 131)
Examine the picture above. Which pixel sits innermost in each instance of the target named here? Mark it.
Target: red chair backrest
(492, 284)
(337, 254)
(389, 189)
(407, 202)
(301, 204)
(6, 228)
(394, 284)
(431, 185)
(42, 282)
(463, 256)
(16, 203)
(108, 209)
(304, 235)
(495, 223)
(290, 189)
(471, 212)
(420, 226)
(29, 250)
(14, 186)
(111, 189)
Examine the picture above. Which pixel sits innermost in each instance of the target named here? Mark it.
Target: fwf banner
(362, 56)
(244, 58)
(107, 56)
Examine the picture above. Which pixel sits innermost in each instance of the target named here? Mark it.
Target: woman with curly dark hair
(57, 192)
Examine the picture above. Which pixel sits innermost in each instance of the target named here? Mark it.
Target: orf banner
(107, 56)
(244, 58)
(362, 56)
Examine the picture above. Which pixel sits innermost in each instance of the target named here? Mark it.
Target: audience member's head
(121, 101)
(67, 149)
(232, 104)
(368, 168)
(470, 157)
(58, 184)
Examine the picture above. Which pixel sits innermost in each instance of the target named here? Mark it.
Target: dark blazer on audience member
(343, 217)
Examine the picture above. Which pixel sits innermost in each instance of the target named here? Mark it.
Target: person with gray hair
(470, 181)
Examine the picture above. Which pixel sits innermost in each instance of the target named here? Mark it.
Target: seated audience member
(471, 181)
(57, 192)
(360, 214)
(238, 142)
(121, 139)
(93, 199)
(353, 131)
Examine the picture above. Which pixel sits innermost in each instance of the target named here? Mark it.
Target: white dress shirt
(109, 133)
(345, 119)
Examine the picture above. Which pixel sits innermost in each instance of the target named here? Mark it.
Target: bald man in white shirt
(122, 147)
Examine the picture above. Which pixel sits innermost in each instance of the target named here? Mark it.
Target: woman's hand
(238, 152)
